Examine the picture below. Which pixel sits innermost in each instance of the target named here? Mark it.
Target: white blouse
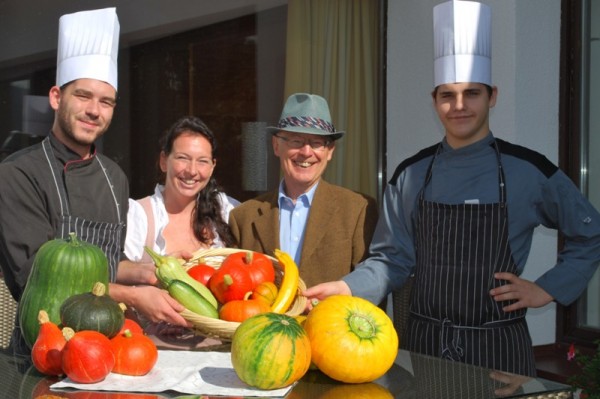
(137, 224)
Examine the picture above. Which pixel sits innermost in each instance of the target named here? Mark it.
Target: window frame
(573, 67)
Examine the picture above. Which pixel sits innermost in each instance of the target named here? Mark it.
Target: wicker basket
(222, 329)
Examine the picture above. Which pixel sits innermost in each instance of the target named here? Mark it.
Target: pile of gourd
(347, 338)
(70, 323)
(242, 286)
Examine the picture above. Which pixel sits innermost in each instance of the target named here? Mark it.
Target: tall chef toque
(462, 43)
(88, 46)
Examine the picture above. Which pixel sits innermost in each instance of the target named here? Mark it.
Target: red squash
(132, 326)
(230, 282)
(46, 353)
(87, 356)
(258, 265)
(135, 353)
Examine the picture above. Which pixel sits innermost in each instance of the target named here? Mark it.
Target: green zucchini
(186, 295)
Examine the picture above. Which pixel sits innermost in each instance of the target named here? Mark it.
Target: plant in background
(589, 378)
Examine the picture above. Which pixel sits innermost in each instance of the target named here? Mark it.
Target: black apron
(105, 235)
(458, 250)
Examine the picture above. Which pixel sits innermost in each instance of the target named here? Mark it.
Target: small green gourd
(93, 311)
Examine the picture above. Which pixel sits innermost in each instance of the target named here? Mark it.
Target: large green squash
(61, 268)
(270, 351)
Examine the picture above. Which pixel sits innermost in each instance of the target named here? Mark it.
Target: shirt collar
(476, 146)
(307, 197)
(67, 156)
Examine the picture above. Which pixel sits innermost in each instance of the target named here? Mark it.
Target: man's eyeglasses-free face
(296, 143)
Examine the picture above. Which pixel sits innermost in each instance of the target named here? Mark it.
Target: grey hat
(306, 113)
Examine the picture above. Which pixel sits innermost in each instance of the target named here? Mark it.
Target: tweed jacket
(338, 232)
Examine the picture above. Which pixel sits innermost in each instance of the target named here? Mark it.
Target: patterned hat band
(306, 121)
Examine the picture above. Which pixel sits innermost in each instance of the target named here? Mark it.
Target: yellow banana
(289, 284)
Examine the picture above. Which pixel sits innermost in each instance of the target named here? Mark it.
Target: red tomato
(201, 272)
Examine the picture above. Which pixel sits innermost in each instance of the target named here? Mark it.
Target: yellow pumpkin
(351, 339)
(369, 390)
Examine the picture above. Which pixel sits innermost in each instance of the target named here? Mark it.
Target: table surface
(412, 376)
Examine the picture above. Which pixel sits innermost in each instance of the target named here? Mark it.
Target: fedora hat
(306, 113)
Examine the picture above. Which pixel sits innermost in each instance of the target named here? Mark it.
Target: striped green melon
(61, 268)
(270, 351)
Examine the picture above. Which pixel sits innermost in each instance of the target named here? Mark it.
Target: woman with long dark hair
(187, 212)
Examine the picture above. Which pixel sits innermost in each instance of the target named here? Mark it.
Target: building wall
(526, 47)
(525, 67)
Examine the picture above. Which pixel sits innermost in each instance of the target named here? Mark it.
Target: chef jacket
(538, 193)
(30, 210)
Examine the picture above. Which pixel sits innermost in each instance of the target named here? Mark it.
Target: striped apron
(452, 315)
(105, 235)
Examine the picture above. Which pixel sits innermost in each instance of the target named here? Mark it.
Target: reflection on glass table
(412, 376)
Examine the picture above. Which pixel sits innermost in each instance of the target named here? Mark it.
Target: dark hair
(207, 210)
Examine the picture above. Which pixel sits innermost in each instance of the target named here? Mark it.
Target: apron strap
(56, 170)
(147, 206)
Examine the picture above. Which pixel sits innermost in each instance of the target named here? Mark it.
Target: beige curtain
(332, 50)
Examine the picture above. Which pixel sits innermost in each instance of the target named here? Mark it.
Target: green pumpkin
(61, 269)
(93, 311)
(270, 351)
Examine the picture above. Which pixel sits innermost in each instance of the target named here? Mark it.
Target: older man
(325, 228)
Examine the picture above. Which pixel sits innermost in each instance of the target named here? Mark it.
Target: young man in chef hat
(64, 185)
(459, 216)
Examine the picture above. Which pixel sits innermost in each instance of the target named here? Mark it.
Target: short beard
(67, 129)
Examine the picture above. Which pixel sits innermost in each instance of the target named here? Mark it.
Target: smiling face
(84, 109)
(463, 109)
(302, 167)
(188, 166)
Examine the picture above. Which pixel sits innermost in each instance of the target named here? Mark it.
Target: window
(224, 62)
(579, 142)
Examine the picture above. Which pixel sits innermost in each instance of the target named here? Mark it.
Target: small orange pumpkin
(135, 353)
(266, 291)
(242, 309)
(87, 356)
(46, 353)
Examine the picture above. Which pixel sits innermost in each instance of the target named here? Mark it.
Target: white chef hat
(88, 46)
(462, 42)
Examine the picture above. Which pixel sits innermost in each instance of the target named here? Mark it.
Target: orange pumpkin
(352, 340)
(46, 353)
(87, 356)
(135, 353)
(266, 291)
(240, 310)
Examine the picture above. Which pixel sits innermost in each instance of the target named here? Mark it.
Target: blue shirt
(538, 193)
(292, 221)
